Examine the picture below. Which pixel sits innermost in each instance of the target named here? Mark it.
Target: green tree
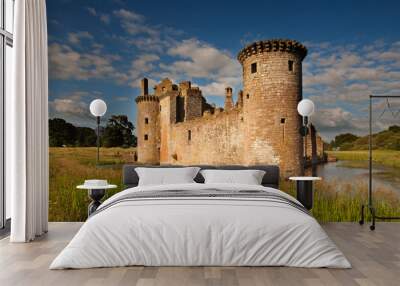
(119, 132)
(61, 133)
(344, 139)
(85, 137)
(394, 128)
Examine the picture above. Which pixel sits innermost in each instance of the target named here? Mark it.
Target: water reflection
(352, 171)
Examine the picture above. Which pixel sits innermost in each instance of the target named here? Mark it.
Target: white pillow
(248, 177)
(166, 176)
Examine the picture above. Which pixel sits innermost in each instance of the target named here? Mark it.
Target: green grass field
(389, 158)
(69, 167)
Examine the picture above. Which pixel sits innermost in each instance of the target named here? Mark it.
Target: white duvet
(199, 231)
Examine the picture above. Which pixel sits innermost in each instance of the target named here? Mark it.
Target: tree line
(388, 139)
(118, 132)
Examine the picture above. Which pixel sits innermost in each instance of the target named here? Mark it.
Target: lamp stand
(98, 140)
(304, 132)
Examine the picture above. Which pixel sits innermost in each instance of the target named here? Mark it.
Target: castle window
(253, 67)
(290, 65)
(248, 96)
(146, 137)
(283, 120)
(146, 120)
(189, 135)
(163, 88)
(160, 107)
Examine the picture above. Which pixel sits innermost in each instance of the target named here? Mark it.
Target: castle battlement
(146, 98)
(273, 45)
(176, 125)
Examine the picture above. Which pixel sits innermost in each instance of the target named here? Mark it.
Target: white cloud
(105, 18)
(142, 67)
(92, 11)
(345, 76)
(333, 121)
(214, 88)
(66, 63)
(196, 60)
(75, 38)
(202, 60)
(127, 15)
(333, 118)
(69, 106)
(338, 75)
(133, 23)
(143, 36)
(74, 107)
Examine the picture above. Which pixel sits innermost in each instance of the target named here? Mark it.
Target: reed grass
(69, 167)
(336, 201)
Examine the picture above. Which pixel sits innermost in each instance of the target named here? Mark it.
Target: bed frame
(130, 178)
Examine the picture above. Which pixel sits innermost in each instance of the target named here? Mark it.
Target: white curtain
(27, 124)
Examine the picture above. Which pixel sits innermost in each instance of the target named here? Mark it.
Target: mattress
(201, 225)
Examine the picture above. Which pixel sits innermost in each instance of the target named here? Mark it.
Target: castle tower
(148, 130)
(272, 88)
(228, 98)
(239, 102)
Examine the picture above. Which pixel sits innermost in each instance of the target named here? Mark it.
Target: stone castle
(176, 125)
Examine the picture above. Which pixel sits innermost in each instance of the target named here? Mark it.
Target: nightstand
(305, 190)
(96, 191)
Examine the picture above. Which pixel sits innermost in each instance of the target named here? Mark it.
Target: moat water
(357, 172)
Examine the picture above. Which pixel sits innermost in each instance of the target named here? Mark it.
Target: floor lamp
(98, 108)
(305, 108)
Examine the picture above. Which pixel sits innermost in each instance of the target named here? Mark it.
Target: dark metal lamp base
(96, 195)
(305, 193)
(374, 216)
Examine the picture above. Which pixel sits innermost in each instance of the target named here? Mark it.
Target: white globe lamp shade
(305, 107)
(98, 107)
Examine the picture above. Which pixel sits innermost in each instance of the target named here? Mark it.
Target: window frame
(6, 39)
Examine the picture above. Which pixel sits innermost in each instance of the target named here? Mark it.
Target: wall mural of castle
(176, 125)
(224, 94)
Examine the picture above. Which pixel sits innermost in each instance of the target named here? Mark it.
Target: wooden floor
(375, 257)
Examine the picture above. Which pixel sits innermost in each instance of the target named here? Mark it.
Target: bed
(198, 224)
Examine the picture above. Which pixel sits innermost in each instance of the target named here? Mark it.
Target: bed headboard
(271, 178)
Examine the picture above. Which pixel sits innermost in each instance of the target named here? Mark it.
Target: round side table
(305, 190)
(96, 193)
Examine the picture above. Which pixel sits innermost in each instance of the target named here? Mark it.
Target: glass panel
(2, 203)
(8, 88)
(9, 15)
(1, 14)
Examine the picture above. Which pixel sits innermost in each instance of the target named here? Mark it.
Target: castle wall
(320, 147)
(193, 106)
(315, 145)
(167, 118)
(215, 139)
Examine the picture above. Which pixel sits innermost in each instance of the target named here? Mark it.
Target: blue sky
(101, 49)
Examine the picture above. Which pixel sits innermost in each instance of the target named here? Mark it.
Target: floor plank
(375, 257)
